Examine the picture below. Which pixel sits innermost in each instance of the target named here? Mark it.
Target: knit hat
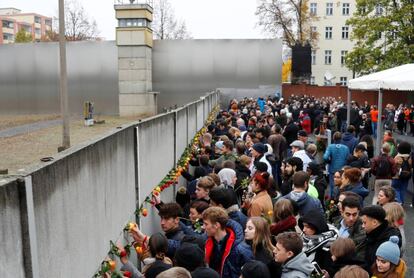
(389, 250)
(260, 148)
(375, 212)
(255, 269)
(156, 268)
(189, 256)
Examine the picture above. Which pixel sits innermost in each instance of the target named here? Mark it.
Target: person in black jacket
(360, 160)
(291, 132)
(316, 177)
(378, 231)
(343, 254)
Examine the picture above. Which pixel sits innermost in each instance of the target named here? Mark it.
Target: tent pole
(348, 108)
(379, 123)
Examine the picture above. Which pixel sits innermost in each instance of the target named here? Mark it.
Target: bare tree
(287, 19)
(165, 26)
(79, 26)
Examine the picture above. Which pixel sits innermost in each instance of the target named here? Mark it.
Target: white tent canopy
(399, 78)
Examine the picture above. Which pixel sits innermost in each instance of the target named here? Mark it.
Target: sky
(212, 19)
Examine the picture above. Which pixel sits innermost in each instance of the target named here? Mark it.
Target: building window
(343, 80)
(8, 24)
(345, 32)
(343, 56)
(37, 31)
(328, 33)
(313, 8)
(133, 22)
(48, 22)
(313, 57)
(328, 57)
(8, 37)
(378, 10)
(345, 8)
(312, 80)
(313, 31)
(329, 8)
(37, 19)
(26, 28)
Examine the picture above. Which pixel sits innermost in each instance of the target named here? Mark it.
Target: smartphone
(318, 270)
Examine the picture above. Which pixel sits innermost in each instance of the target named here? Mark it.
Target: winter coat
(279, 146)
(358, 235)
(341, 262)
(286, 186)
(297, 267)
(358, 189)
(285, 225)
(236, 252)
(291, 133)
(375, 238)
(236, 215)
(375, 162)
(336, 155)
(349, 140)
(261, 204)
(304, 202)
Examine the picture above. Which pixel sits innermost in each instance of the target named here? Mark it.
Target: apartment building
(328, 54)
(12, 20)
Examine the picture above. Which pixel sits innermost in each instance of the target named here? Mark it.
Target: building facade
(12, 20)
(328, 53)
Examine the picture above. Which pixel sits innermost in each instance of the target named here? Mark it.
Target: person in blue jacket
(335, 156)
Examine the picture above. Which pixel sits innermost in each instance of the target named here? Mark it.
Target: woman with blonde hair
(386, 194)
(257, 235)
(395, 215)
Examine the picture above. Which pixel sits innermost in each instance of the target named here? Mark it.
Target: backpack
(383, 166)
(405, 170)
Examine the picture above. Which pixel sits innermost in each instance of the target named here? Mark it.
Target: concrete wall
(182, 71)
(11, 243)
(29, 75)
(59, 221)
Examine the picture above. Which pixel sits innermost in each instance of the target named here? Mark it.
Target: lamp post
(63, 81)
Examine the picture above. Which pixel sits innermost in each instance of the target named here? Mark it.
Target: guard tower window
(133, 22)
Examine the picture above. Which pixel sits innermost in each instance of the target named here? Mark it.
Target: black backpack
(405, 170)
(272, 161)
(383, 166)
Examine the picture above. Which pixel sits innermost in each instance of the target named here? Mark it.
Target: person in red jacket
(374, 119)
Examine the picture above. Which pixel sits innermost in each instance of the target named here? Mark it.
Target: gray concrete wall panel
(81, 202)
(200, 114)
(192, 121)
(181, 133)
(155, 159)
(29, 77)
(183, 70)
(11, 243)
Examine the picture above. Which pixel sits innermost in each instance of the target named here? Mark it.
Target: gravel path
(23, 129)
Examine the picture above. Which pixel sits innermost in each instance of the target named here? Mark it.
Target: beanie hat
(255, 269)
(156, 268)
(389, 250)
(375, 212)
(260, 148)
(189, 256)
(204, 272)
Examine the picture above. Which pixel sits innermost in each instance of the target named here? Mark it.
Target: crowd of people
(277, 189)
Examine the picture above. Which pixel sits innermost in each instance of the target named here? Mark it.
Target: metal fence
(65, 213)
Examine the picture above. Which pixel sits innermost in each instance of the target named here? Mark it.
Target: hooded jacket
(297, 267)
(316, 247)
(304, 202)
(236, 252)
(349, 140)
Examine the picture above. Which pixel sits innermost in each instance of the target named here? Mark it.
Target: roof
(400, 78)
